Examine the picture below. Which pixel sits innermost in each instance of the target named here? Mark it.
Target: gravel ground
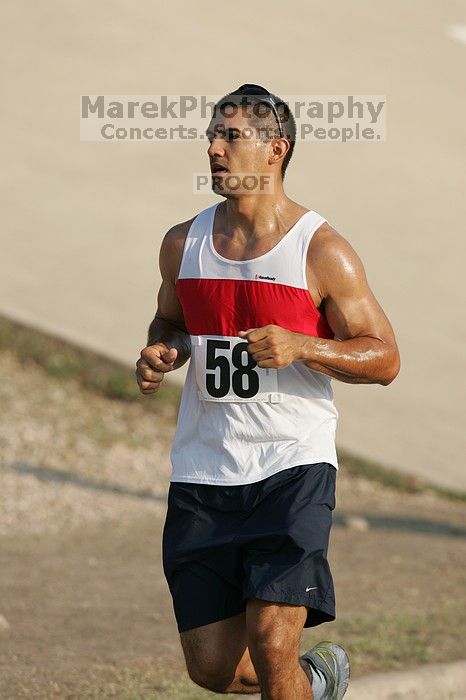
(67, 455)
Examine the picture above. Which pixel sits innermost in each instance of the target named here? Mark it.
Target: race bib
(225, 371)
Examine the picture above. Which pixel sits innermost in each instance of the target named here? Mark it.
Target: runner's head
(251, 132)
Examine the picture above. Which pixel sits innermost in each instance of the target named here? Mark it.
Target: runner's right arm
(168, 341)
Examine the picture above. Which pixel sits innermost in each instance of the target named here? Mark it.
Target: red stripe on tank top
(224, 307)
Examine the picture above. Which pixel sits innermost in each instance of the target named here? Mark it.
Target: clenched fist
(154, 362)
(274, 346)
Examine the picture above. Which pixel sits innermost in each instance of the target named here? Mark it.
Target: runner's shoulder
(333, 263)
(175, 237)
(329, 246)
(171, 250)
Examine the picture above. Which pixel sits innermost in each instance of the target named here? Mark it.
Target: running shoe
(332, 661)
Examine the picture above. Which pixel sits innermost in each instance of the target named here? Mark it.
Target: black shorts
(268, 540)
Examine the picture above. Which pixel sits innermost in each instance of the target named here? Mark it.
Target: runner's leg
(274, 634)
(217, 656)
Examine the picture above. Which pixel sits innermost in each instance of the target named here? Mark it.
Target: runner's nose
(216, 147)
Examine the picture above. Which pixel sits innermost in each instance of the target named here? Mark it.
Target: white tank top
(239, 423)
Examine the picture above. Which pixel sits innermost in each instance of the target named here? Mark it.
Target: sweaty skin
(364, 350)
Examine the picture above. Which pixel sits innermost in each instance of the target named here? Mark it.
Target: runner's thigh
(214, 651)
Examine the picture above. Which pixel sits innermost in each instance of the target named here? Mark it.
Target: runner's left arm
(364, 349)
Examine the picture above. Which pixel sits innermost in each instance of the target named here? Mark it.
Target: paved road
(82, 222)
(428, 682)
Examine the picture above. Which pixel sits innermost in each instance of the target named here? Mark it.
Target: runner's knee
(215, 680)
(208, 666)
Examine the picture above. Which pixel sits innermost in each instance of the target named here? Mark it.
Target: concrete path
(82, 222)
(430, 682)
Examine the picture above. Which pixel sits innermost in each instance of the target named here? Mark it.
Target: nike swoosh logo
(311, 588)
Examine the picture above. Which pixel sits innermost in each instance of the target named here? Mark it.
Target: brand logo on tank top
(265, 277)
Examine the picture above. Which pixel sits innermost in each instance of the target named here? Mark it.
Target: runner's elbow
(392, 368)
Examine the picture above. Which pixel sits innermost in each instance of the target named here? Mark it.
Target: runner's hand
(273, 346)
(154, 362)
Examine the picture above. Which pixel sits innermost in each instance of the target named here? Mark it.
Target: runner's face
(236, 148)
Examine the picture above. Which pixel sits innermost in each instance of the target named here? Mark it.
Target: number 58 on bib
(226, 371)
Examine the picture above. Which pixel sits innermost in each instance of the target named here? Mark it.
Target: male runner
(270, 303)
